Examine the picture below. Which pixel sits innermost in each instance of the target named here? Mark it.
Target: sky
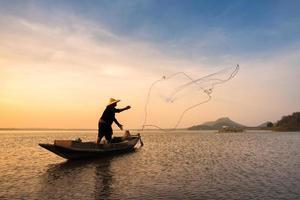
(61, 61)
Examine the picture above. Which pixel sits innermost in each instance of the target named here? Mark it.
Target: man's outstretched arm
(117, 110)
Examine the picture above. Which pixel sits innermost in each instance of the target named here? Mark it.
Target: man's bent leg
(108, 137)
(100, 136)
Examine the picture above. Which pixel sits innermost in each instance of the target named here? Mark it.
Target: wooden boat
(72, 149)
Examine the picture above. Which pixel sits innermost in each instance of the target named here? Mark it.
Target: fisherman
(107, 118)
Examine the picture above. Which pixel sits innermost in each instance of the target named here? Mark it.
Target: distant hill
(288, 123)
(267, 124)
(216, 125)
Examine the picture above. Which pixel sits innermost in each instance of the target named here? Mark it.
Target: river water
(175, 165)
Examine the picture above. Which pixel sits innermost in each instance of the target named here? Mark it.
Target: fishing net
(171, 97)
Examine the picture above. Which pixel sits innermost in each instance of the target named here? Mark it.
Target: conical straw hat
(112, 101)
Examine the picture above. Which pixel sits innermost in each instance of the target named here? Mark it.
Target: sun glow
(61, 73)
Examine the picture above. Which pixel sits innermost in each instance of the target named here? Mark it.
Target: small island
(219, 124)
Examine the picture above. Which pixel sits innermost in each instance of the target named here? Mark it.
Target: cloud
(67, 62)
(66, 66)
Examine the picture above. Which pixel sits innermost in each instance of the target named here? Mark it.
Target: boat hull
(72, 150)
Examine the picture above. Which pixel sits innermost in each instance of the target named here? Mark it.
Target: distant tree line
(288, 123)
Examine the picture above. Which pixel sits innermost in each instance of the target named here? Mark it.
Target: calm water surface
(178, 165)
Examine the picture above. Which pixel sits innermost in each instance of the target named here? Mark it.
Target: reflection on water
(69, 179)
(103, 180)
(178, 165)
(66, 180)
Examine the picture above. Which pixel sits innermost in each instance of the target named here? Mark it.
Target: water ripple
(179, 165)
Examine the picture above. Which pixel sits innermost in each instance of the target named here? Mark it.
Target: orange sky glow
(62, 77)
